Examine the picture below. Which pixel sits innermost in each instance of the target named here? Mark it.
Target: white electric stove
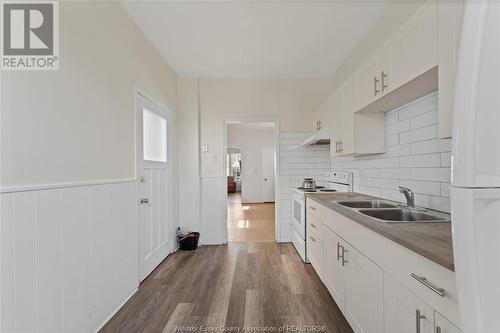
(336, 181)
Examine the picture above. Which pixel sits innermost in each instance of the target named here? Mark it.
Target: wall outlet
(204, 148)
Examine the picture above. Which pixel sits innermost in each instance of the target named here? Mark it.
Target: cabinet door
(364, 299)
(367, 85)
(450, 16)
(413, 48)
(333, 270)
(443, 325)
(319, 117)
(347, 108)
(401, 308)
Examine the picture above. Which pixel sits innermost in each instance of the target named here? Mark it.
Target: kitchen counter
(431, 240)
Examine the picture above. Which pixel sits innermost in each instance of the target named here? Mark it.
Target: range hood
(320, 137)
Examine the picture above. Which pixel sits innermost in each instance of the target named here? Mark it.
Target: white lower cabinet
(364, 299)
(404, 312)
(355, 283)
(334, 271)
(369, 277)
(443, 325)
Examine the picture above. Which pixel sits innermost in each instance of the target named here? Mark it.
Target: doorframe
(138, 91)
(277, 199)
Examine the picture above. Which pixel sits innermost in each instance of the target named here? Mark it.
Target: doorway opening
(251, 170)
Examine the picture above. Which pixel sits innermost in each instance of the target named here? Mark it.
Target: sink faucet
(409, 195)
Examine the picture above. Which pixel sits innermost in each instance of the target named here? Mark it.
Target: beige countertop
(431, 240)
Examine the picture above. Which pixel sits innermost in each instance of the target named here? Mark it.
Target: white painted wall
(77, 124)
(251, 138)
(69, 255)
(291, 100)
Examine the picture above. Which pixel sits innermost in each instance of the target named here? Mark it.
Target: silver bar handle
(383, 76)
(375, 82)
(438, 329)
(344, 261)
(312, 225)
(338, 251)
(440, 291)
(418, 317)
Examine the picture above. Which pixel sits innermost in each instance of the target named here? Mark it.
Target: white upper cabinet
(401, 61)
(450, 16)
(413, 49)
(354, 133)
(367, 80)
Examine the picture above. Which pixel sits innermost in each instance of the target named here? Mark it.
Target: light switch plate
(204, 148)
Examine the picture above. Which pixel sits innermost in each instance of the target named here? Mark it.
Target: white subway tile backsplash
(419, 106)
(392, 117)
(420, 134)
(391, 140)
(398, 127)
(426, 119)
(414, 158)
(395, 173)
(391, 162)
(385, 183)
(422, 187)
(432, 174)
(415, 161)
(297, 163)
(431, 146)
(398, 150)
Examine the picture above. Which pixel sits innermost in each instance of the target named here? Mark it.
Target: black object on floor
(189, 242)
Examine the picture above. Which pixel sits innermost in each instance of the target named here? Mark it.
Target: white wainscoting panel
(214, 210)
(189, 199)
(69, 256)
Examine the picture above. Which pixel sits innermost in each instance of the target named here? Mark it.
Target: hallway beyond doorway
(249, 222)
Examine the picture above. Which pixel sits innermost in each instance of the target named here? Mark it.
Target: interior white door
(152, 151)
(268, 166)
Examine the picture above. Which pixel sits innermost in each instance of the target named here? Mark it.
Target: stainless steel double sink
(391, 212)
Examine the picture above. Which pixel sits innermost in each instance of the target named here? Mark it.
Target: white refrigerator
(475, 190)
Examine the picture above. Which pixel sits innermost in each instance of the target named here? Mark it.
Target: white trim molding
(50, 186)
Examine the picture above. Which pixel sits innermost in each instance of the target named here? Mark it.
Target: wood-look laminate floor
(249, 222)
(260, 284)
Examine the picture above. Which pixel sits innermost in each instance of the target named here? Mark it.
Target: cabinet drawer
(315, 253)
(315, 227)
(314, 209)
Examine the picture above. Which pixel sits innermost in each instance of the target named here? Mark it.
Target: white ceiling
(254, 39)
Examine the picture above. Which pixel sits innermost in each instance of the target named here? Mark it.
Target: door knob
(144, 201)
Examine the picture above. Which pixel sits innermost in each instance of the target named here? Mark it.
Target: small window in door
(154, 136)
